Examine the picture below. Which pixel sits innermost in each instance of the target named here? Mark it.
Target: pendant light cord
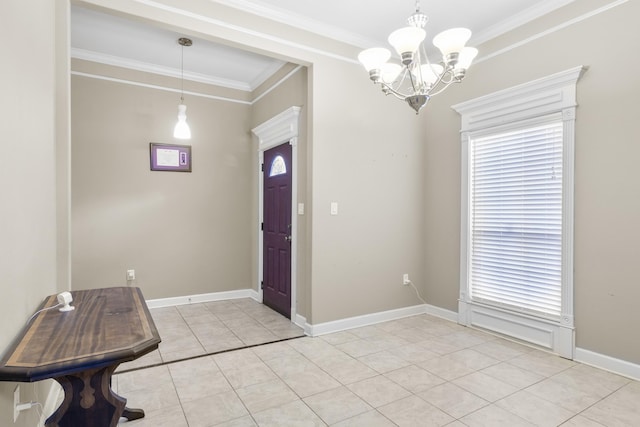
(182, 74)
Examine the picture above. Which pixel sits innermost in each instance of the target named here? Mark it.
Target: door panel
(277, 229)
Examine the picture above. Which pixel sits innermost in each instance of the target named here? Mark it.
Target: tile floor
(204, 328)
(417, 371)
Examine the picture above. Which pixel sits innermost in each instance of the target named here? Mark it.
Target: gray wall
(368, 152)
(366, 159)
(27, 178)
(183, 233)
(607, 190)
(395, 176)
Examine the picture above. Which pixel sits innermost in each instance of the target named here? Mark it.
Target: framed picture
(170, 157)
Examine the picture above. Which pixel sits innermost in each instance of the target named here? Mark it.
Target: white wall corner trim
(301, 321)
(199, 298)
(608, 363)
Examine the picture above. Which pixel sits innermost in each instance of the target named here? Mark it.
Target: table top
(107, 326)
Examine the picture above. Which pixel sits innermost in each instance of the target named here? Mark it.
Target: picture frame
(170, 157)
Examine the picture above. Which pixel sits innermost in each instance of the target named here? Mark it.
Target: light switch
(300, 208)
(334, 208)
(131, 275)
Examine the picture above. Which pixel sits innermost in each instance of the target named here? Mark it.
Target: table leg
(132, 414)
(89, 401)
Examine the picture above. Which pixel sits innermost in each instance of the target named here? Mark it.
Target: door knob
(287, 238)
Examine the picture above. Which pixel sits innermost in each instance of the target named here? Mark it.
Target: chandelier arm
(442, 89)
(442, 81)
(413, 84)
(389, 90)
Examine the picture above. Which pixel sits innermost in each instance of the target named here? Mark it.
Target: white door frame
(278, 130)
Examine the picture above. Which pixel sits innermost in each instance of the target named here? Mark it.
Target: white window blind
(516, 219)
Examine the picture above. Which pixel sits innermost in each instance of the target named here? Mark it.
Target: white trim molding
(554, 93)
(442, 313)
(608, 363)
(339, 325)
(364, 320)
(481, 38)
(551, 95)
(193, 299)
(278, 130)
(158, 87)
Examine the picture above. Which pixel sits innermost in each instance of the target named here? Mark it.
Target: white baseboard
(192, 299)
(301, 321)
(608, 363)
(364, 320)
(442, 313)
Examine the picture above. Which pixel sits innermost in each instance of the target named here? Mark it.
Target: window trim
(539, 98)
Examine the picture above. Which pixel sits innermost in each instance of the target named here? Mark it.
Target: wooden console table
(81, 349)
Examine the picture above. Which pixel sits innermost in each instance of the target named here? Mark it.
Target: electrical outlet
(16, 402)
(131, 275)
(405, 279)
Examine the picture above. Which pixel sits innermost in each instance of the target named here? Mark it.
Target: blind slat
(516, 219)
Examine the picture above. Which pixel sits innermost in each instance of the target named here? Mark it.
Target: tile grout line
(198, 356)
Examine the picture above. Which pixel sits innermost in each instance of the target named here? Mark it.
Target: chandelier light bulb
(406, 41)
(182, 130)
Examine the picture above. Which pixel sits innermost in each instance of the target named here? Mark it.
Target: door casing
(278, 130)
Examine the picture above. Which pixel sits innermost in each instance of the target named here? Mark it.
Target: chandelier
(417, 79)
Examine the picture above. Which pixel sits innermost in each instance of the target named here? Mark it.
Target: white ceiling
(118, 41)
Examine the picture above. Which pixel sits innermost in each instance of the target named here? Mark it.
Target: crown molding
(515, 21)
(158, 87)
(132, 64)
(302, 22)
(552, 30)
(305, 23)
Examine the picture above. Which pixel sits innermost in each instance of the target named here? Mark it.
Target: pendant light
(182, 131)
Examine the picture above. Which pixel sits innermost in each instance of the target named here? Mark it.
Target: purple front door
(277, 229)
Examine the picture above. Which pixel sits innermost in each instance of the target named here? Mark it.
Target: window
(516, 247)
(278, 167)
(516, 218)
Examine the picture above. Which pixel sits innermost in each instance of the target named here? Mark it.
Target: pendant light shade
(406, 41)
(451, 42)
(182, 130)
(374, 58)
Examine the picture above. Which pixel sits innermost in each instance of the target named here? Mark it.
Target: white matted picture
(170, 157)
